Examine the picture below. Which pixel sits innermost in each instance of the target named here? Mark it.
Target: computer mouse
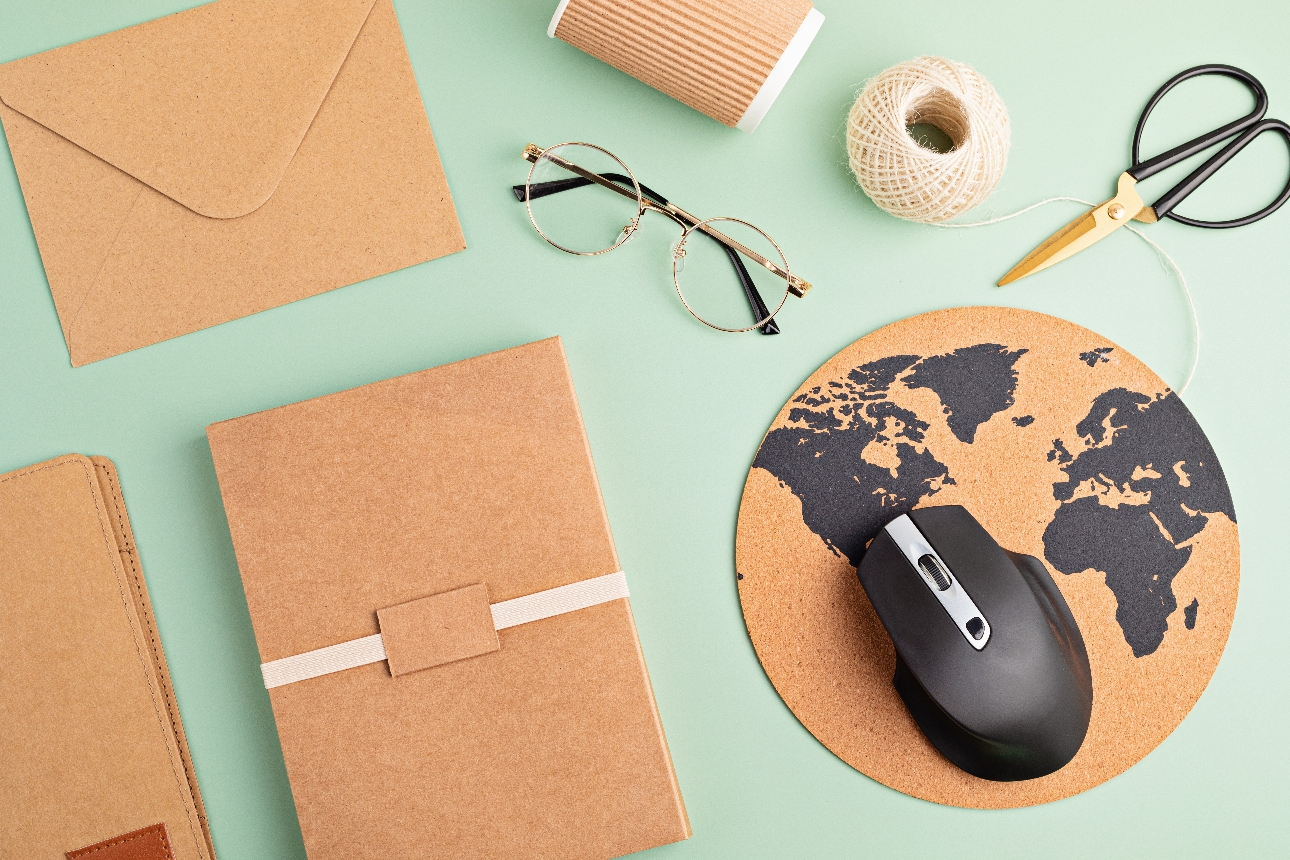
(989, 659)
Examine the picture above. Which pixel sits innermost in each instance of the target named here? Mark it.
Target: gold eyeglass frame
(689, 224)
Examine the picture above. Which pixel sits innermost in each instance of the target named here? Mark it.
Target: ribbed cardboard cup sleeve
(728, 59)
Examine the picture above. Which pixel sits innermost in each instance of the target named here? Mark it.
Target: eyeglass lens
(580, 216)
(724, 288)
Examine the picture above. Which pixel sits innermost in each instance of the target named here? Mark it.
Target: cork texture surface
(1065, 447)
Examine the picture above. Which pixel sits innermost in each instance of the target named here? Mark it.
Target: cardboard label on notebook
(435, 630)
(422, 486)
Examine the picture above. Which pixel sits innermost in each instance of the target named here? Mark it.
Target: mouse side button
(945, 587)
(912, 616)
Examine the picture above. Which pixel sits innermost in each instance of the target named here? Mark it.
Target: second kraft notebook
(452, 662)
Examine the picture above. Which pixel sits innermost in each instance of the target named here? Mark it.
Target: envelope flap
(207, 106)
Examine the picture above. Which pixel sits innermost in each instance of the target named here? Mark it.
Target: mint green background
(674, 412)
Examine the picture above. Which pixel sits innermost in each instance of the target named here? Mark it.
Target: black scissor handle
(1246, 129)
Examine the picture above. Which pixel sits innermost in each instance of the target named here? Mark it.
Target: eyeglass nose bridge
(678, 255)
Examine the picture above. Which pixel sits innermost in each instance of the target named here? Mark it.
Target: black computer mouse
(989, 659)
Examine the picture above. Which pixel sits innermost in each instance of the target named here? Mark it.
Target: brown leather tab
(148, 843)
(435, 630)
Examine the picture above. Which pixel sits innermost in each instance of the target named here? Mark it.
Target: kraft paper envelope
(222, 161)
(93, 761)
(417, 520)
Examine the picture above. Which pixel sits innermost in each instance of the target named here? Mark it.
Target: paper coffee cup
(728, 59)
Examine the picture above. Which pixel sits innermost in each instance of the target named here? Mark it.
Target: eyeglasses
(711, 278)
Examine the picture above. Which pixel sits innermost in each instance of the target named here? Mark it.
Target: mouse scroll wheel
(935, 571)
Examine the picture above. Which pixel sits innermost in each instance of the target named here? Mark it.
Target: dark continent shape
(836, 486)
(821, 462)
(1153, 433)
(1093, 356)
(873, 379)
(1156, 448)
(1189, 614)
(974, 383)
(1125, 544)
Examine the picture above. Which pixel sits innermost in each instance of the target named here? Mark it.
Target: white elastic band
(324, 661)
(557, 601)
(508, 613)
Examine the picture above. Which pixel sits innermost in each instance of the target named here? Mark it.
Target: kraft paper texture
(712, 56)
(1064, 447)
(90, 737)
(475, 473)
(221, 161)
(442, 628)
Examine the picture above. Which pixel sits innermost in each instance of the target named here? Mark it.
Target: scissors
(1126, 205)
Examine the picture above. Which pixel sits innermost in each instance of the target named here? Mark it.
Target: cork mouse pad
(1064, 447)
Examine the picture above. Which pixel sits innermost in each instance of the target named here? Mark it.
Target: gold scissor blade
(1088, 228)
(1055, 248)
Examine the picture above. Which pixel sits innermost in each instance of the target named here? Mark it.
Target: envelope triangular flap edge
(207, 106)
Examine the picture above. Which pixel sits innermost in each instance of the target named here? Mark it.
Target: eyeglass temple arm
(539, 190)
(555, 186)
(759, 309)
(796, 285)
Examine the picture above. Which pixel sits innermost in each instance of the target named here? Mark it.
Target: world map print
(1144, 482)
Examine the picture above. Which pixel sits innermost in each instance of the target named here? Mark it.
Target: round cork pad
(1064, 447)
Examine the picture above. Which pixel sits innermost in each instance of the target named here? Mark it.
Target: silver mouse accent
(936, 575)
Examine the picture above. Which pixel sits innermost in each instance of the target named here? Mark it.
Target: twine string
(912, 181)
(920, 184)
(1164, 256)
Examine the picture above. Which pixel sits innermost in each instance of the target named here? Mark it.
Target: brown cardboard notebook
(222, 161)
(93, 761)
(410, 528)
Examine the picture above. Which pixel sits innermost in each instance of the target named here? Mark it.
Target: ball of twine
(909, 180)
